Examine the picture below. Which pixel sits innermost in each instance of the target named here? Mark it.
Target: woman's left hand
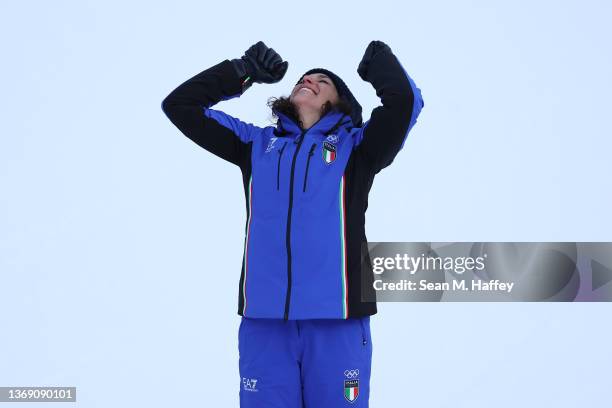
(373, 49)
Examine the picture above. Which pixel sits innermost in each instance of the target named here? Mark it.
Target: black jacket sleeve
(383, 136)
(188, 105)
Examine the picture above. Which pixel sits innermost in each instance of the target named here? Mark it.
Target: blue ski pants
(304, 363)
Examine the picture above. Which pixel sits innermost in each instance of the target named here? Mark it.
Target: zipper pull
(311, 152)
(299, 138)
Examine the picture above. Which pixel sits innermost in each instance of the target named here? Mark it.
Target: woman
(304, 337)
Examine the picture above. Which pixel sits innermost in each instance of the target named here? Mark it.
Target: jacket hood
(327, 124)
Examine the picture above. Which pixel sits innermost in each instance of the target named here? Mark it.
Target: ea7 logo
(249, 384)
(271, 144)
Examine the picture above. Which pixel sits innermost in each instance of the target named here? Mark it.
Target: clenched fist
(262, 64)
(373, 49)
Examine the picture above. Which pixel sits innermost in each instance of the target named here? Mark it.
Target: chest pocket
(310, 154)
(322, 168)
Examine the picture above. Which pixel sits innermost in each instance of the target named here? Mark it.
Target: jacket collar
(329, 123)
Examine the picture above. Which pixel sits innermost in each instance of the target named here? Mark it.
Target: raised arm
(189, 106)
(383, 135)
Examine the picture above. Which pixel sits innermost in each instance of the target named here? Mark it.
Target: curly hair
(284, 105)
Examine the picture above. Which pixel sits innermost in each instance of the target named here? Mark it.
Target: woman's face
(313, 90)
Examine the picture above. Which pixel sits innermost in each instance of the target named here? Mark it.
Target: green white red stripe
(351, 393)
(343, 270)
(246, 247)
(351, 390)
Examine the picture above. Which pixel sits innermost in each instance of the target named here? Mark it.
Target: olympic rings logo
(351, 373)
(333, 138)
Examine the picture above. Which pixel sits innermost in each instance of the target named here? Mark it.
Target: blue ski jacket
(306, 190)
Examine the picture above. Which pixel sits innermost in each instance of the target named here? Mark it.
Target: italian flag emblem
(329, 152)
(351, 390)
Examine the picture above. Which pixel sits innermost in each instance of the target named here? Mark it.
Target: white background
(121, 240)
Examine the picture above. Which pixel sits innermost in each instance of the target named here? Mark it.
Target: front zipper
(288, 233)
(310, 153)
(278, 166)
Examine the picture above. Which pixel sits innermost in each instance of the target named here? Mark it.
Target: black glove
(260, 64)
(374, 48)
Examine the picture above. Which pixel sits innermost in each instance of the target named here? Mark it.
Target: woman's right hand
(263, 64)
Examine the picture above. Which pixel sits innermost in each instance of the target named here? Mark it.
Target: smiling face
(312, 91)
